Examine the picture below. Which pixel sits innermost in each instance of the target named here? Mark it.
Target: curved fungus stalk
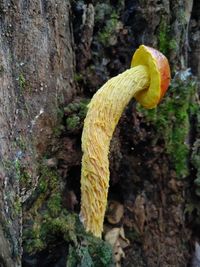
(147, 80)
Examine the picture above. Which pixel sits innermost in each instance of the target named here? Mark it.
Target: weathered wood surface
(36, 76)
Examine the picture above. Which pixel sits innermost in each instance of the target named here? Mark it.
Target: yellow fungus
(104, 112)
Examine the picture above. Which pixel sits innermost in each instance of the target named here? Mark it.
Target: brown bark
(50, 53)
(37, 65)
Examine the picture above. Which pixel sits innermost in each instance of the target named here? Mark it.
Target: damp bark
(54, 57)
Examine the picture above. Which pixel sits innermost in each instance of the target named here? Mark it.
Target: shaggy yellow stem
(105, 110)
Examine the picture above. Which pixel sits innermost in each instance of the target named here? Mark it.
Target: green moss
(17, 206)
(102, 12)
(47, 220)
(93, 252)
(173, 45)
(17, 166)
(21, 143)
(63, 225)
(163, 37)
(22, 82)
(43, 185)
(54, 204)
(46, 207)
(57, 131)
(48, 186)
(75, 113)
(1, 69)
(18, 171)
(25, 178)
(72, 122)
(107, 35)
(78, 77)
(83, 108)
(171, 122)
(165, 42)
(33, 241)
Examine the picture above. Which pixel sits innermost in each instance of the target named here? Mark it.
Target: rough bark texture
(53, 53)
(37, 63)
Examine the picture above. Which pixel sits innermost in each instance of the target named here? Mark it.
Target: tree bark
(37, 68)
(52, 52)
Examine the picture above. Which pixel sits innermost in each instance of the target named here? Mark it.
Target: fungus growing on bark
(147, 80)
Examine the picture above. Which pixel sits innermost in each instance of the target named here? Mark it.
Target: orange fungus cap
(159, 72)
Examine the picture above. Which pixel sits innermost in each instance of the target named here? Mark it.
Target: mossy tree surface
(70, 48)
(48, 221)
(172, 120)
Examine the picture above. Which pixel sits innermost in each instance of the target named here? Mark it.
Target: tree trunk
(54, 56)
(37, 65)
